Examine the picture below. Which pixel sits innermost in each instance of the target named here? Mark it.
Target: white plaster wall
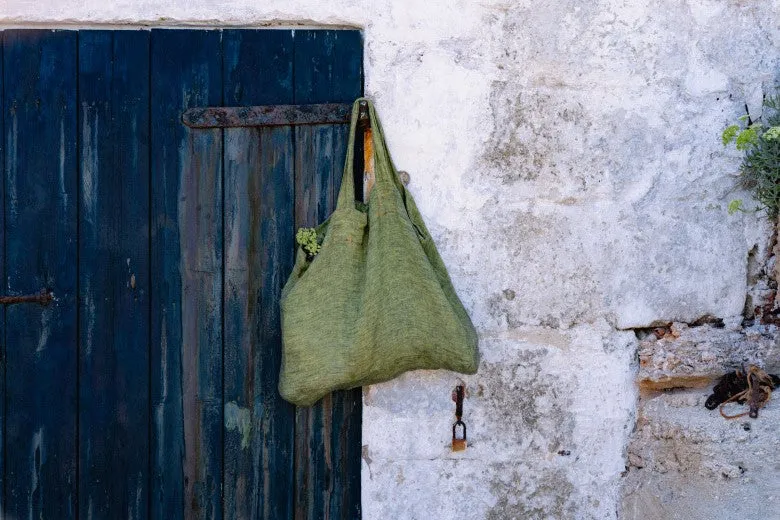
(566, 157)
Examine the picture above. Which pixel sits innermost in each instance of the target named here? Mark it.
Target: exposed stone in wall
(686, 356)
(687, 462)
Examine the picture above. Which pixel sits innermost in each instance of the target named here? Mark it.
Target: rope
(765, 385)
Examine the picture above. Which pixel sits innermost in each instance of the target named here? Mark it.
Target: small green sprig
(736, 205)
(307, 239)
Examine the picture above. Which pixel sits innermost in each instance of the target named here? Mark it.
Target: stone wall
(566, 157)
(687, 462)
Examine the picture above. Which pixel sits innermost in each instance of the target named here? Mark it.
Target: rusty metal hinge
(43, 297)
(267, 115)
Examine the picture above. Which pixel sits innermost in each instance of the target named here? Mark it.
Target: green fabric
(376, 300)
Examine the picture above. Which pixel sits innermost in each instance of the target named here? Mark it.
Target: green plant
(734, 206)
(307, 238)
(760, 141)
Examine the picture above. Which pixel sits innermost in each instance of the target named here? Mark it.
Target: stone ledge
(682, 356)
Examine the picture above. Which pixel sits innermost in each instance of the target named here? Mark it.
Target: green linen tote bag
(376, 300)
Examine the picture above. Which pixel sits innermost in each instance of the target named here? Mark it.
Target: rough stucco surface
(566, 158)
(544, 440)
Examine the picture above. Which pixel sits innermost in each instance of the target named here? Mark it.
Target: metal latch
(458, 442)
(44, 297)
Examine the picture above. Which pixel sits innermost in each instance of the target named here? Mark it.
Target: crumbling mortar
(676, 441)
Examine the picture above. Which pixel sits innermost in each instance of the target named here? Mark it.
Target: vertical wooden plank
(114, 274)
(259, 256)
(40, 234)
(2, 270)
(186, 278)
(328, 68)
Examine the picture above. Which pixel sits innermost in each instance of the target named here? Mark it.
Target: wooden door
(147, 387)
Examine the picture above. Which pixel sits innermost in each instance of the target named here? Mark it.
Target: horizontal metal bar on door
(43, 297)
(267, 115)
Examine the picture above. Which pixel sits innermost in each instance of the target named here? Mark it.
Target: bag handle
(384, 171)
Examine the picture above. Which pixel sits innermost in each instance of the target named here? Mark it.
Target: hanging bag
(376, 300)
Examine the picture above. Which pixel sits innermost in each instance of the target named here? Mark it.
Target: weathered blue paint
(114, 274)
(186, 278)
(148, 389)
(40, 174)
(259, 255)
(328, 68)
(2, 270)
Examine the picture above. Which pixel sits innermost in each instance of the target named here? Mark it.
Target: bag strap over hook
(364, 120)
(364, 125)
(376, 158)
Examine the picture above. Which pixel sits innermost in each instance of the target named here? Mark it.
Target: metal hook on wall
(363, 118)
(458, 443)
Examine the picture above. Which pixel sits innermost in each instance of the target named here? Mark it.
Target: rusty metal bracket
(267, 115)
(44, 297)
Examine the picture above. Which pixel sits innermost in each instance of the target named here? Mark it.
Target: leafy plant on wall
(759, 139)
